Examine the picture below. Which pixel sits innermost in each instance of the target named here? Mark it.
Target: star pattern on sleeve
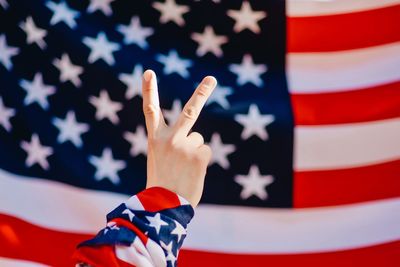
(179, 231)
(36, 152)
(107, 167)
(34, 34)
(254, 183)
(170, 254)
(156, 222)
(254, 123)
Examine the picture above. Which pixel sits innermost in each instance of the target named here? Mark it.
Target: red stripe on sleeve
(155, 199)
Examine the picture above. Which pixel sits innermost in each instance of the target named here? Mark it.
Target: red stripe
(99, 256)
(157, 198)
(344, 31)
(382, 255)
(376, 103)
(337, 187)
(22, 240)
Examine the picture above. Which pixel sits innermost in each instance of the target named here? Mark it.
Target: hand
(176, 160)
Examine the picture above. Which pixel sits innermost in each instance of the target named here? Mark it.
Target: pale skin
(177, 158)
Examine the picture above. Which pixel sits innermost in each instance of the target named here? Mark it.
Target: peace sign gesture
(177, 159)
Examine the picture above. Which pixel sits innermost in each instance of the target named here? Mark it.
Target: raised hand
(177, 159)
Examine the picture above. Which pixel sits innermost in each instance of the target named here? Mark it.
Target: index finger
(193, 107)
(151, 103)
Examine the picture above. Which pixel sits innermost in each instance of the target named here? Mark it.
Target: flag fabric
(304, 125)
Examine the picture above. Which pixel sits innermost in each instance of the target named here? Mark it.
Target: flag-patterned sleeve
(147, 230)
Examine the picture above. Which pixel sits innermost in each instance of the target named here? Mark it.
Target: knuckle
(190, 112)
(203, 90)
(172, 142)
(149, 109)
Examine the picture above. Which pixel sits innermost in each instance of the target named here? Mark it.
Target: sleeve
(147, 230)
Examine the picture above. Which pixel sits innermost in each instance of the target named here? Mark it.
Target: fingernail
(147, 75)
(209, 81)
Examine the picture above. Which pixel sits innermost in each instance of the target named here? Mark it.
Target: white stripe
(344, 70)
(346, 145)
(258, 230)
(134, 203)
(56, 205)
(7, 262)
(215, 228)
(302, 8)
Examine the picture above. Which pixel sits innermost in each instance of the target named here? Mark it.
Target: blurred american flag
(304, 125)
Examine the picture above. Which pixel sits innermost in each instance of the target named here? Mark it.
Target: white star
(70, 129)
(68, 71)
(254, 183)
(173, 114)
(6, 52)
(62, 13)
(219, 96)
(209, 42)
(254, 123)
(102, 5)
(134, 33)
(111, 226)
(170, 11)
(247, 71)
(138, 141)
(173, 63)
(4, 4)
(156, 222)
(170, 255)
(37, 91)
(247, 18)
(36, 152)
(101, 48)
(107, 167)
(33, 33)
(133, 82)
(220, 151)
(129, 213)
(179, 231)
(105, 107)
(5, 115)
